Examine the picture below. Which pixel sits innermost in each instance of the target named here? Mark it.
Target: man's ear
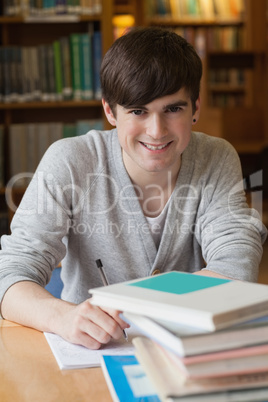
(197, 111)
(108, 112)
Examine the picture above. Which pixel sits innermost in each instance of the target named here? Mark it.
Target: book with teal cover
(187, 283)
(203, 302)
(127, 380)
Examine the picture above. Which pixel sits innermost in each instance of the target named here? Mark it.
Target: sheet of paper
(70, 356)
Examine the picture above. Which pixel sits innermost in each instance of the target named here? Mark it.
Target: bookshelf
(30, 28)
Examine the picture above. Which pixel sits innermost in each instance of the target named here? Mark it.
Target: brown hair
(148, 63)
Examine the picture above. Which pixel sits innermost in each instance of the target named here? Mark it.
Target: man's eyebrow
(135, 107)
(177, 103)
(173, 104)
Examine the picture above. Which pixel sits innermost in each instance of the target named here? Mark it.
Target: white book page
(71, 356)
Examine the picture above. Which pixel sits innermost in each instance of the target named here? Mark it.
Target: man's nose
(156, 127)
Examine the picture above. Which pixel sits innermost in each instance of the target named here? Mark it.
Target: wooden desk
(30, 373)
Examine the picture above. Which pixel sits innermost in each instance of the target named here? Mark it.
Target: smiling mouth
(154, 147)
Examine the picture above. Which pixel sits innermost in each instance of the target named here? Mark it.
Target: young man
(149, 196)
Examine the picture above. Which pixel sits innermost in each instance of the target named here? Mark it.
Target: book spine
(14, 90)
(76, 66)
(25, 86)
(6, 74)
(97, 57)
(19, 73)
(86, 66)
(51, 72)
(36, 78)
(67, 89)
(55, 131)
(17, 156)
(97, 7)
(61, 7)
(69, 130)
(43, 68)
(43, 139)
(31, 138)
(58, 69)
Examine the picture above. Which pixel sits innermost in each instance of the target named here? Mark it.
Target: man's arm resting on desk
(29, 304)
(211, 273)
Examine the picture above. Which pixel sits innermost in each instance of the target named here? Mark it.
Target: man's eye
(137, 112)
(174, 109)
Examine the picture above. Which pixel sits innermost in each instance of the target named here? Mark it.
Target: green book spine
(86, 66)
(67, 89)
(76, 66)
(69, 130)
(58, 69)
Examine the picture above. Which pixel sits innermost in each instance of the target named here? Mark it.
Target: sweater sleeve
(230, 233)
(40, 224)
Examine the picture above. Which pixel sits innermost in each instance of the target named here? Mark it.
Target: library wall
(50, 55)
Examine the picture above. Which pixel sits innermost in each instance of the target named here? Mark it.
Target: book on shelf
(86, 66)
(32, 159)
(76, 65)
(188, 10)
(69, 130)
(127, 380)
(188, 341)
(5, 56)
(25, 57)
(185, 298)
(43, 70)
(18, 151)
(51, 78)
(34, 74)
(83, 126)
(97, 58)
(29, 141)
(171, 385)
(48, 8)
(67, 90)
(58, 69)
(68, 68)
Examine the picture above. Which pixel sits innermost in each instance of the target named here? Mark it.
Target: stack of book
(205, 339)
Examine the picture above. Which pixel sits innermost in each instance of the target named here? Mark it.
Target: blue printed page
(127, 380)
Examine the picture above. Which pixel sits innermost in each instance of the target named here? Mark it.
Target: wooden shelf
(50, 105)
(195, 22)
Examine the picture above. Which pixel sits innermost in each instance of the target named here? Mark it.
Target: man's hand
(29, 304)
(91, 326)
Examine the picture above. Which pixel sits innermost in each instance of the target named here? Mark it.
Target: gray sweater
(81, 206)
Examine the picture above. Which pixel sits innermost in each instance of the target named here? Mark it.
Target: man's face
(154, 136)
